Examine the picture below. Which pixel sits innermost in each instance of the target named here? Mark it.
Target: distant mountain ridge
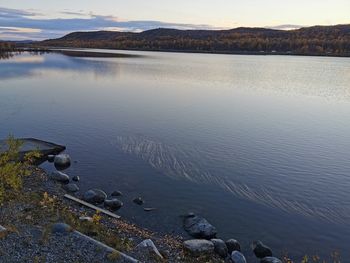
(316, 40)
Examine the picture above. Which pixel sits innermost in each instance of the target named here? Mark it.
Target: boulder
(260, 250)
(150, 248)
(220, 247)
(233, 245)
(72, 188)
(61, 228)
(76, 178)
(199, 227)
(238, 257)
(113, 204)
(62, 160)
(59, 177)
(138, 201)
(199, 247)
(95, 196)
(116, 193)
(270, 260)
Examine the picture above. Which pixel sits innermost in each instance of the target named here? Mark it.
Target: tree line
(330, 40)
(6, 46)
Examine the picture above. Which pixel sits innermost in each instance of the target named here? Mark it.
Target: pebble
(72, 188)
(199, 227)
(199, 246)
(260, 250)
(220, 247)
(116, 193)
(50, 158)
(149, 209)
(86, 219)
(94, 196)
(59, 177)
(113, 204)
(270, 260)
(139, 201)
(233, 245)
(238, 257)
(76, 178)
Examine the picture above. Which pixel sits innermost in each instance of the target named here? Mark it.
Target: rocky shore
(30, 220)
(42, 225)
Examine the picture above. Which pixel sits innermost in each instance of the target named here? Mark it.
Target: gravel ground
(29, 215)
(27, 246)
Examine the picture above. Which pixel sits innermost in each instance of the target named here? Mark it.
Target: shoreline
(41, 203)
(248, 53)
(51, 209)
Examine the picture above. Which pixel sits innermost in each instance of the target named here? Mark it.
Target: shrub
(12, 169)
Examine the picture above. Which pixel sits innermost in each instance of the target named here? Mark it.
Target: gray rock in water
(190, 214)
(199, 246)
(270, 260)
(95, 196)
(62, 160)
(76, 178)
(59, 177)
(220, 247)
(138, 201)
(116, 193)
(72, 188)
(149, 209)
(113, 204)
(233, 245)
(238, 257)
(61, 228)
(199, 227)
(148, 246)
(260, 250)
(51, 158)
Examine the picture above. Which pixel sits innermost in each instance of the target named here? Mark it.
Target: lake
(259, 145)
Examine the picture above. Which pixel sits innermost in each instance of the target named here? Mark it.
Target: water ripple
(177, 163)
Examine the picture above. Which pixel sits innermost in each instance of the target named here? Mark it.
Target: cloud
(14, 13)
(77, 21)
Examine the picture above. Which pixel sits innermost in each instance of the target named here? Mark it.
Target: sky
(42, 19)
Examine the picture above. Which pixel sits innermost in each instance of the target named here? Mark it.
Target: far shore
(107, 54)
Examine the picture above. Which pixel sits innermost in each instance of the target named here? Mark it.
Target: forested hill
(317, 40)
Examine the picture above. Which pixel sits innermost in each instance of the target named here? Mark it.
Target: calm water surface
(259, 145)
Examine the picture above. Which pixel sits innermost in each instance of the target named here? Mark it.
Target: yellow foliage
(96, 218)
(30, 157)
(12, 169)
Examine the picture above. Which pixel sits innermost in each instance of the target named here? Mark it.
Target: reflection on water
(30, 65)
(30, 59)
(6, 55)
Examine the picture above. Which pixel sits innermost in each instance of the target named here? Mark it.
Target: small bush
(12, 169)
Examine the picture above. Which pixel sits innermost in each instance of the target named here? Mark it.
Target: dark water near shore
(259, 145)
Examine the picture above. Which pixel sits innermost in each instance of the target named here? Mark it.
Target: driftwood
(72, 198)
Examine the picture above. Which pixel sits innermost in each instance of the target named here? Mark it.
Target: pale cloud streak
(22, 24)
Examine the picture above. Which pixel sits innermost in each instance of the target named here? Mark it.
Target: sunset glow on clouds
(33, 19)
